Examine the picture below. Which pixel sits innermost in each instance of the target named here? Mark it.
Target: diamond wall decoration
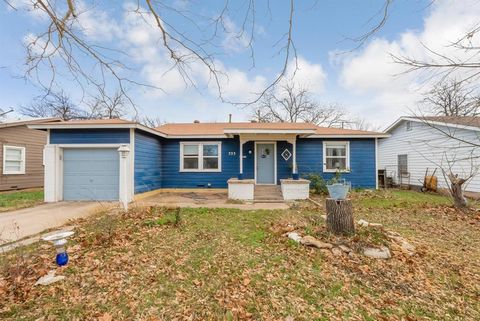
(286, 154)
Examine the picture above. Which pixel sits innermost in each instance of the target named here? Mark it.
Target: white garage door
(90, 174)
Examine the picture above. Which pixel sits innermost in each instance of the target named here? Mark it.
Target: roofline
(304, 132)
(97, 126)
(380, 135)
(27, 122)
(269, 131)
(431, 122)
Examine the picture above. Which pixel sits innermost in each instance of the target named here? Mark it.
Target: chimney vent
(196, 121)
(229, 118)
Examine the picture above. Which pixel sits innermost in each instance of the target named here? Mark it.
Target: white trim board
(23, 159)
(228, 133)
(274, 143)
(427, 122)
(200, 157)
(347, 155)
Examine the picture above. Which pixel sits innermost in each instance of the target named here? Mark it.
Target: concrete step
(269, 201)
(268, 194)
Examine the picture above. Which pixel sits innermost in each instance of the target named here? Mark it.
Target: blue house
(114, 159)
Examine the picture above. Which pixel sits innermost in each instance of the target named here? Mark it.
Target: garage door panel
(90, 174)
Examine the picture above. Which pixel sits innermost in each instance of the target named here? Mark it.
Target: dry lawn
(219, 264)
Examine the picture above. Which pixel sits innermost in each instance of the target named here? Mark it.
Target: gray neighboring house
(416, 144)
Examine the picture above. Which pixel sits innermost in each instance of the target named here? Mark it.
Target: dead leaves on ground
(206, 272)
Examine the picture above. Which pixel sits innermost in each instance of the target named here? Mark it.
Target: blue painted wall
(157, 160)
(248, 160)
(362, 160)
(173, 178)
(89, 136)
(148, 162)
(284, 168)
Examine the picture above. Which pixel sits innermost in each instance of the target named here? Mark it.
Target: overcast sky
(364, 80)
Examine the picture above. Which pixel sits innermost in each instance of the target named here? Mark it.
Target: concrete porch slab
(195, 198)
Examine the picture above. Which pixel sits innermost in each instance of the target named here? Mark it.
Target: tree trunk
(340, 217)
(459, 201)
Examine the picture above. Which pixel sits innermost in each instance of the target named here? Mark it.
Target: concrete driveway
(18, 224)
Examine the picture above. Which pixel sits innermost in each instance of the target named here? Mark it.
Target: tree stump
(340, 217)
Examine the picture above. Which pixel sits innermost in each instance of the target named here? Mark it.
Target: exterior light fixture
(59, 240)
(124, 151)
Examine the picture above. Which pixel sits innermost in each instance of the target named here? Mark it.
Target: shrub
(317, 183)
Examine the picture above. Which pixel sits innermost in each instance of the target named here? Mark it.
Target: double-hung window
(13, 160)
(200, 157)
(336, 156)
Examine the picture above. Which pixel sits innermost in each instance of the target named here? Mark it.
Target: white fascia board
(269, 131)
(96, 126)
(79, 126)
(350, 136)
(196, 136)
(430, 122)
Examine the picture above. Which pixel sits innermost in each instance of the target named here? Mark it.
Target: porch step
(268, 194)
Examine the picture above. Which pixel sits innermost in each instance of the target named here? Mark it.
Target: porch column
(293, 141)
(294, 156)
(240, 175)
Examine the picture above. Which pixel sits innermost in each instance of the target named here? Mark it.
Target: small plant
(337, 178)
(178, 217)
(104, 231)
(169, 218)
(337, 187)
(317, 183)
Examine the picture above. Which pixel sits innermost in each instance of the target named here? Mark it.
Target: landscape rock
(311, 241)
(49, 278)
(381, 253)
(375, 224)
(345, 249)
(405, 246)
(362, 223)
(366, 223)
(337, 251)
(294, 236)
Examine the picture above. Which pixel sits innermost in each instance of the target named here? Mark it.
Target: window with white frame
(200, 156)
(336, 156)
(13, 160)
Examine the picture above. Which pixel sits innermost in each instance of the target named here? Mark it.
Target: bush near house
(226, 264)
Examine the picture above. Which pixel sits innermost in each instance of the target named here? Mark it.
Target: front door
(265, 156)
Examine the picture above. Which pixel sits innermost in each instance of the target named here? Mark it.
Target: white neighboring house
(418, 143)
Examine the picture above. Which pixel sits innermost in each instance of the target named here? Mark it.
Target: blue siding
(173, 178)
(284, 168)
(89, 136)
(362, 160)
(157, 160)
(148, 162)
(248, 160)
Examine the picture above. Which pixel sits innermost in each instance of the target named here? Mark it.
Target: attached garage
(90, 174)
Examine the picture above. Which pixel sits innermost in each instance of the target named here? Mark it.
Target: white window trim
(22, 167)
(200, 157)
(347, 154)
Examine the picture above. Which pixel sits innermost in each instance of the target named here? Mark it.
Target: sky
(364, 80)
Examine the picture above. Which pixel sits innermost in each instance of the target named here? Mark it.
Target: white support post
(241, 157)
(294, 156)
(124, 196)
(51, 163)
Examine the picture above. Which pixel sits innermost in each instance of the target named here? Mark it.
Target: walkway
(16, 225)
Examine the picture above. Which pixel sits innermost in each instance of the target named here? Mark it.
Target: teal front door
(265, 159)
